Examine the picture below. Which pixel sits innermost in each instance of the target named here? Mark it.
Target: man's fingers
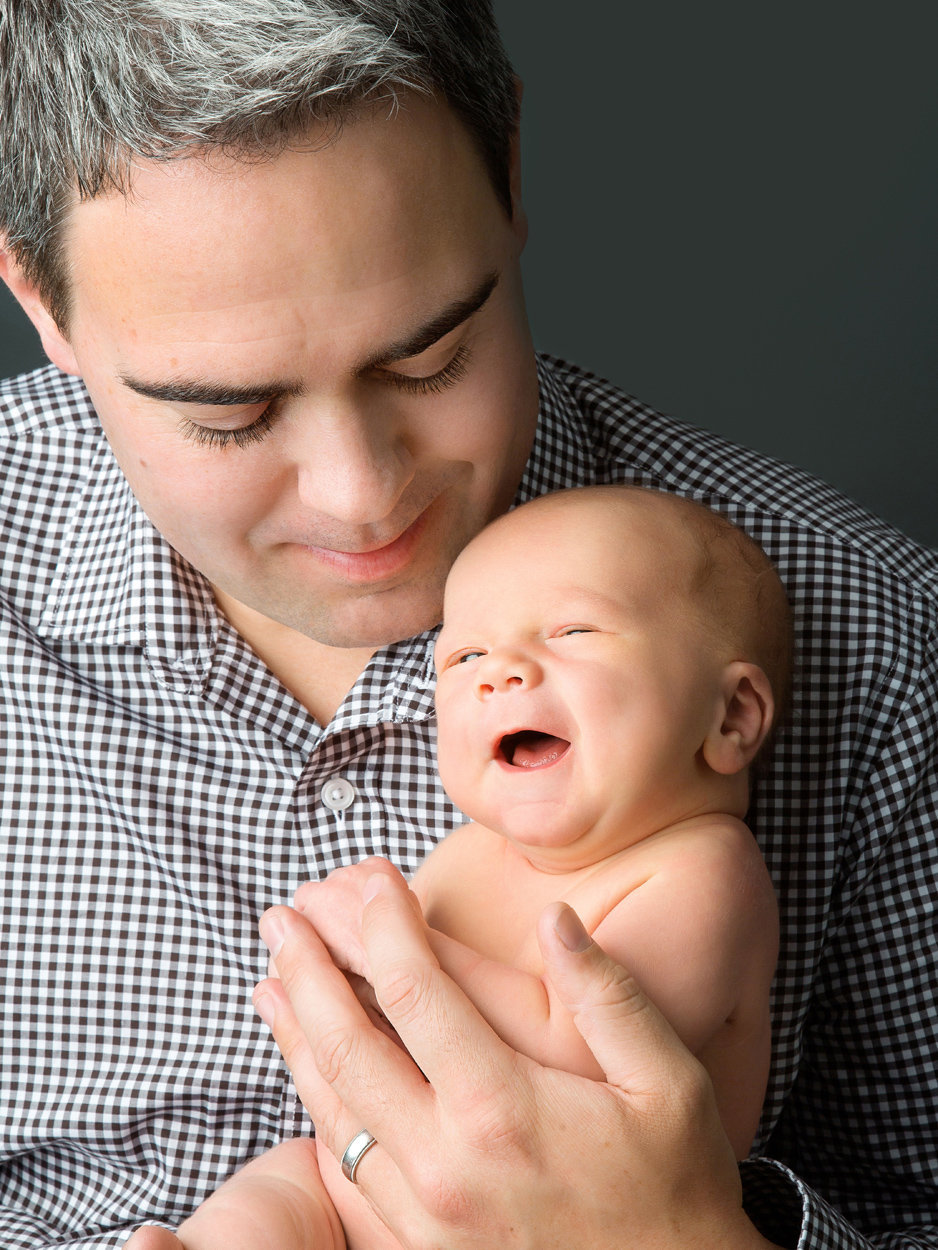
(455, 1048)
(631, 1040)
(348, 1074)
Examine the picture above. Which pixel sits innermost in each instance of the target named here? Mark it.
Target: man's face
(315, 370)
(576, 686)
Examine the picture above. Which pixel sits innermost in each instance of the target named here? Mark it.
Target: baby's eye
(575, 629)
(469, 655)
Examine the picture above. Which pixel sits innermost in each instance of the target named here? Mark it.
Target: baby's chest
(500, 920)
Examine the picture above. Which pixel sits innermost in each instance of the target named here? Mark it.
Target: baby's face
(575, 687)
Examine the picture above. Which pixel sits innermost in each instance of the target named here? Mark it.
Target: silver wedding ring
(359, 1146)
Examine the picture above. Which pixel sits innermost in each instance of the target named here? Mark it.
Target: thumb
(629, 1037)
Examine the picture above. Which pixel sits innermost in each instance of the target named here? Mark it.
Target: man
(272, 248)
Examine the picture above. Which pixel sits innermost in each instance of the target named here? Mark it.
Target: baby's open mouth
(529, 748)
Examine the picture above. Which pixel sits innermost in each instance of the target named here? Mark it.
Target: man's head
(610, 663)
(298, 311)
(89, 87)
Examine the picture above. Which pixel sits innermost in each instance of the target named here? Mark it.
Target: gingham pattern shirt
(161, 789)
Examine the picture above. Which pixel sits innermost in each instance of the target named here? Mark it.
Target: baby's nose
(504, 670)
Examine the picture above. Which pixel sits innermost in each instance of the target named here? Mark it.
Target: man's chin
(374, 623)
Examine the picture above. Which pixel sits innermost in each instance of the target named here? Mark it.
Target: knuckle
(333, 1050)
(616, 986)
(500, 1125)
(695, 1089)
(613, 995)
(445, 1198)
(688, 1100)
(404, 991)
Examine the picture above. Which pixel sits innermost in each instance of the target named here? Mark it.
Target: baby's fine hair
(741, 596)
(734, 588)
(88, 86)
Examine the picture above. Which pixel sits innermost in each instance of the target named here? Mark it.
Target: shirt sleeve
(789, 1213)
(858, 1135)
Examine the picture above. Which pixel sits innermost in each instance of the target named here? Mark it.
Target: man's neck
(318, 676)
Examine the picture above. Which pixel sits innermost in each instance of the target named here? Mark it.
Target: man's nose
(351, 465)
(504, 669)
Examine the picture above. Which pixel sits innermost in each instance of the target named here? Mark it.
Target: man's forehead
(383, 244)
(410, 341)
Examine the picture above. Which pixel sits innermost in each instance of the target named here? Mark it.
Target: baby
(610, 666)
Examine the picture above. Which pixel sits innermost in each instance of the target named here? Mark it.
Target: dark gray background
(734, 215)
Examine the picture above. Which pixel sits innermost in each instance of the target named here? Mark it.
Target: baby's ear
(742, 720)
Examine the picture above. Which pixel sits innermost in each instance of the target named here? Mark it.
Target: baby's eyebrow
(578, 596)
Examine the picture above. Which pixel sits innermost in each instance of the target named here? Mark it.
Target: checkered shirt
(161, 789)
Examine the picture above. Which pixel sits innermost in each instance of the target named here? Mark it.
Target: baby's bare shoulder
(715, 841)
(703, 865)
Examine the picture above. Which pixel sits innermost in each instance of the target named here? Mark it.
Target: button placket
(338, 793)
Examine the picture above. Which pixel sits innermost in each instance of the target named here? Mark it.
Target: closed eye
(432, 383)
(239, 436)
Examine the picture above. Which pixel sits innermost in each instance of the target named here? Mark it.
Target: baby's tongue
(534, 750)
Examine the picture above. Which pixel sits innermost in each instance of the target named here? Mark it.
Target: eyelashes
(208, 436)
(448, 376)
(246, 435)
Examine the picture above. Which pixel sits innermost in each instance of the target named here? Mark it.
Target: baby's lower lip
(379, 563)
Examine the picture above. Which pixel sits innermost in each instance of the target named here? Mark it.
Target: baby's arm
(278, 1199)
(516, 1003)
(699, 933)
(697, 926)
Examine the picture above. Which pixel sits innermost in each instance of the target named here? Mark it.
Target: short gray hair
(87, 86)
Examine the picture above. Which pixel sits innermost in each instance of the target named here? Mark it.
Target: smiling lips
(531, 749)
(380, 562)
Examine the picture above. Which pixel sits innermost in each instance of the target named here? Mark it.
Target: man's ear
(742, 721)
(54, 343)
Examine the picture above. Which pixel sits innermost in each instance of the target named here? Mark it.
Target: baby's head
(611, 661)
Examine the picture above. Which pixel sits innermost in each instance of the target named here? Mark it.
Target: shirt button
(338, 794)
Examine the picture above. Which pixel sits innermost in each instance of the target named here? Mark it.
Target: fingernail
(265, 1007)
(272, 933)
(569, 929)
(372, 887)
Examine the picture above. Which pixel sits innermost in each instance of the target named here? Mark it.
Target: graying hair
(88, 86)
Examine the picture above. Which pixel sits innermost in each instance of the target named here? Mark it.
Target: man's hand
(478, 1145)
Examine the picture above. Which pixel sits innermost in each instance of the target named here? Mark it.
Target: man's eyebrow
(425, 336)
(222, 395)
(219, 394)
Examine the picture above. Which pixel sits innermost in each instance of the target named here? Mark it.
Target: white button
(338, 794)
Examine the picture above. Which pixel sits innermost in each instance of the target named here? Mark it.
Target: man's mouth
(378, 561)
(530, 748)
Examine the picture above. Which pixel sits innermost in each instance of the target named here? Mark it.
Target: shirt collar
(562, 455)
(119, 582)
